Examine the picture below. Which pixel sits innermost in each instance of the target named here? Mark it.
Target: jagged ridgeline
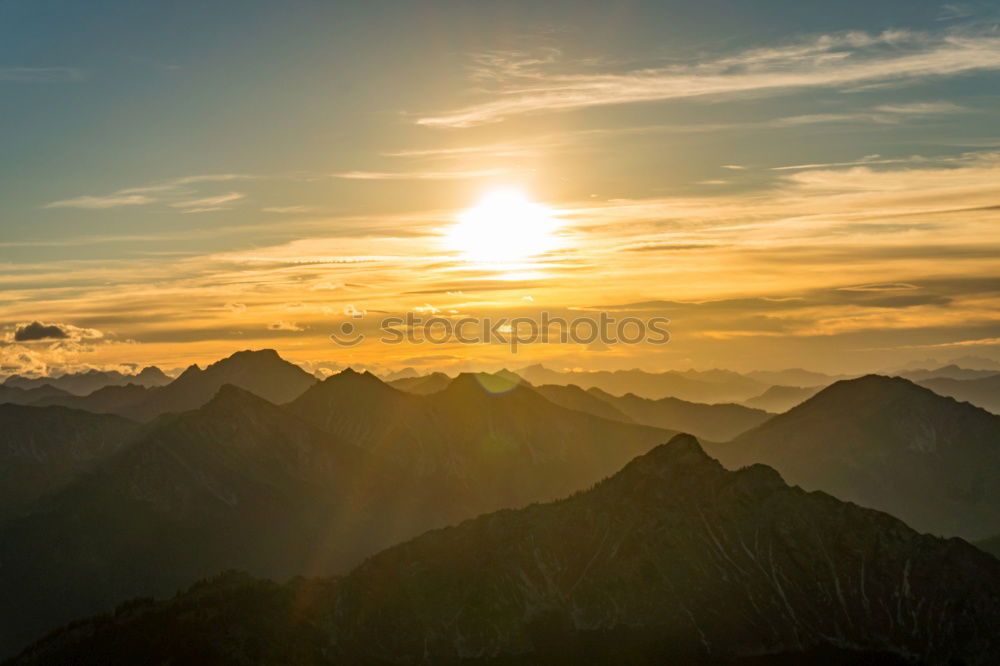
(674, 560)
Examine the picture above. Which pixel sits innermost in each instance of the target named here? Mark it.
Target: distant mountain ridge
(711, 386)
(672, 560)
(716, 422)
(889, 444)
(13, 395)
(778, 399)
(983, 392)
(421, 384)
(264, 373)
(83, 383)
(948, 372)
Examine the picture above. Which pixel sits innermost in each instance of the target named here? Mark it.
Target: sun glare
(504, 227)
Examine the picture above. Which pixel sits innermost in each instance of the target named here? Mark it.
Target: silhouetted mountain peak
(190, 372)
(350, 373)
(350, 379)
(152, 372)
(681, 457)
(485, 385)
(230, 395)
(682, 449)
(256, 359)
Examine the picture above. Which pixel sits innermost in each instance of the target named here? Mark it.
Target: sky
(791, 184)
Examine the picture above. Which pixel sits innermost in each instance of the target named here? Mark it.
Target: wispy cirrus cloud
(166, 192)
(208, 204)
(525, 85)
(115, 200)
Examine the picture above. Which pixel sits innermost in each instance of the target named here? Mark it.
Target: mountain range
(778, 399)
(352, 465)
(236, 483)
(263, 373)
(673, 560)
(490, 431)
(82, 383)
(717, 422)
(254, 464)
(705, 386)
(946, 372)
(13, 395)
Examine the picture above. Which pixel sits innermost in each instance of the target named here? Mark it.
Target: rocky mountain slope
(351, 466)
(43, 449)
(889, 444)
(237, 483)
(674, 560)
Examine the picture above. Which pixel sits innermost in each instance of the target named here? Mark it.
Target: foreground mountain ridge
(674, 560)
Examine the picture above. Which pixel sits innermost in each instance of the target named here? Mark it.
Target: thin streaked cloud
(206, 204)
(166, 191)
(116, 200)
(526, 85)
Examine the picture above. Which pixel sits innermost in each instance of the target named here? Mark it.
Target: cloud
(921, 108)
(39, 331)
(236, 308)
(284, 326)
(164, 191)
(885, 114)
(669, 247)
(526, 85)
(864, 161)
(41, 74)
(208, 204)
(116, 200)
(888, 286)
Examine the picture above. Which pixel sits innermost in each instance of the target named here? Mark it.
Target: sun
(504, 227)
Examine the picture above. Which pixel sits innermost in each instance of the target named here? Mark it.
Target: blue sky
(179, 179)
